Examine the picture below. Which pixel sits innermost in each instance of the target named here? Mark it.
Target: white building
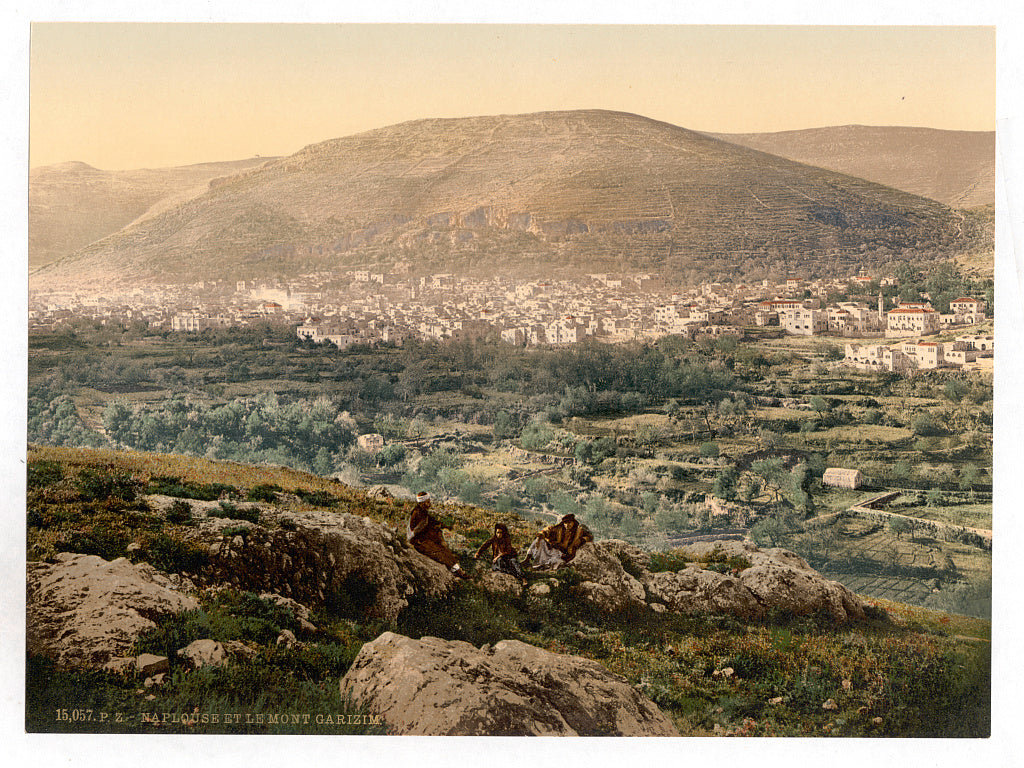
(800, 321)
(907, 321)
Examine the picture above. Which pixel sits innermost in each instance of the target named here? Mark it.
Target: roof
(914, 311)
(963, 299)
(840, 472)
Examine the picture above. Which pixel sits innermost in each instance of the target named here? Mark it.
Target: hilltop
(196, 536)
(543, 193)
(956, 168)
(73, 204)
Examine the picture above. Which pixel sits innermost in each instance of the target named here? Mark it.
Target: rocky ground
(87, 612)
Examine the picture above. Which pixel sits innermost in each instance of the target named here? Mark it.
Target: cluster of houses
(363, 307)
(967, 352)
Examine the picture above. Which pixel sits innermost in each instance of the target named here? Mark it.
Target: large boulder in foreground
(83, 610)
(451, 688)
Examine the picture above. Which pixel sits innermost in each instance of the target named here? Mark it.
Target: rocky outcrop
(322, 559)
(438, 687)
(605, 580)
(84, 610)
(500, 583)
(617, 575)
(698, 590)
(801, 591)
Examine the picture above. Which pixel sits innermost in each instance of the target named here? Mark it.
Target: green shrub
(98, 486)
(667, 561)
(179, 513)
(168, 485)
(104, 534)
(709, 450)
(231, 511)
(264, 492)
(316, 498)
(41, 474)
(172, 554)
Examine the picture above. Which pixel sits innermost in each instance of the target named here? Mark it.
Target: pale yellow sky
(121, 96)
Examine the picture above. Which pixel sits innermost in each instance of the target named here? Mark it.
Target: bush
(43, 473)
(174, 486)
(180, 513)
(232, 512)
(709, 450)
(316, 498)
(97, 486)
(535, 436)
(264, 492)
(172, 554)
(924, 425)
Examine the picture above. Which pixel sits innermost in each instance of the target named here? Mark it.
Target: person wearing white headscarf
(424, 534)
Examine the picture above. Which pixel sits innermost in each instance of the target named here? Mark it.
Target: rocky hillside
(957, 168)
(554, 191)
(73, 204)
(232, 595)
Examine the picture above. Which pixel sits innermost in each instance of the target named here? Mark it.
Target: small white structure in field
(843, 478)
(371, 443)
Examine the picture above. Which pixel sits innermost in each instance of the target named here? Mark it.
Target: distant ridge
(956, 168)
(584, 190)
(72, 204)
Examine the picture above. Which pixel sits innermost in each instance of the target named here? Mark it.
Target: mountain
(547, 192)
(73, 204)
(957, 168)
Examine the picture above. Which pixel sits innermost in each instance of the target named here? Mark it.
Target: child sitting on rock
(503, 553)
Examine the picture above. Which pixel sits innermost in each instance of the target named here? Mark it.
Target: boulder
(299, 611)
(777, 579)
(438, 687)
(698, 590)
(605, 581)
(201, 653)
(84, 611)
(801, 591)
(324, 557)
(152, 664)
(501, 583)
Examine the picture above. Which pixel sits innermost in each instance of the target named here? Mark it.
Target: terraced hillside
(73, 204)
(583, 190)
(957, 168)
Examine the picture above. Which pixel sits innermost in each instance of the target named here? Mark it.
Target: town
(362, 307)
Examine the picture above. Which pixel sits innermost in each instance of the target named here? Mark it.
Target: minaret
(881, 308)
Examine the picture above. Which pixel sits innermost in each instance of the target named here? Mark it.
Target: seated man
(424, 533)
(557, 544)
(503, 553)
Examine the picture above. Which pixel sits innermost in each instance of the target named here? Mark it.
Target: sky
(133, 95)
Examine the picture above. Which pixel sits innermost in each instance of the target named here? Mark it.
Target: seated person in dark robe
(424, 534)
